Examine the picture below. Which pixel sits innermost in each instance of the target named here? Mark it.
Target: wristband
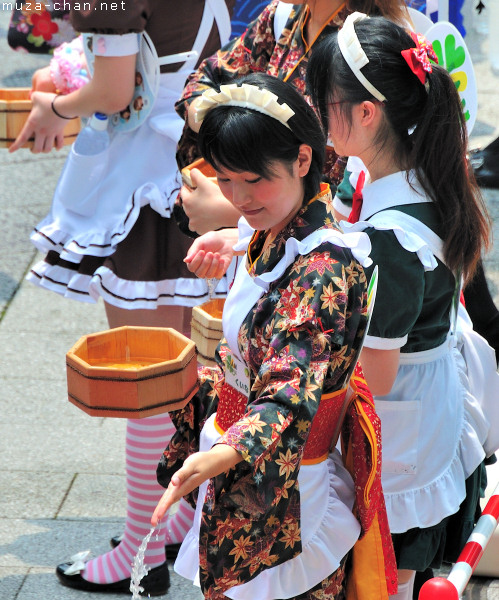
(58, 114)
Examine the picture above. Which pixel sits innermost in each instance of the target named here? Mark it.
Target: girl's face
(354, 135)
(268, 203)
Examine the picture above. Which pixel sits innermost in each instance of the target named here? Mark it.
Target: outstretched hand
(210, 255)
(42, 124)
(196, 469)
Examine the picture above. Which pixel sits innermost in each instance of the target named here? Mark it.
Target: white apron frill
(328, 531)
(441, 417)
(142, 170)
(328, 527)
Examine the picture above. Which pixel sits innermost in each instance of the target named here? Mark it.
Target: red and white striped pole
(452, 588)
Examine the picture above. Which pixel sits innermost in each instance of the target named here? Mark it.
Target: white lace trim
(119, 292)
(410, 241)
(149, 294)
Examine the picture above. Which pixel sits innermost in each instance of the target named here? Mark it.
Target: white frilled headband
(247, 96)
(353, 53)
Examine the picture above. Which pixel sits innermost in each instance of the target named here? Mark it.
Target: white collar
(392, 190)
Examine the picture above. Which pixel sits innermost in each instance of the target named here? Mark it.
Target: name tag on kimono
(237, 375)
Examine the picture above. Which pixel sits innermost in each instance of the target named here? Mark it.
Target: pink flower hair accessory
(419, 58)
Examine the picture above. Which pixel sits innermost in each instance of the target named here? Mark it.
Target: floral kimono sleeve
(188, 423)
(303, 337)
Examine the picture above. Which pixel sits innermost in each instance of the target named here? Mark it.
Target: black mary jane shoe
(155, 583)
(171, 550)
(485, 164)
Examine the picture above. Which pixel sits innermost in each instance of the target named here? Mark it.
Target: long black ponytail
(425, 122)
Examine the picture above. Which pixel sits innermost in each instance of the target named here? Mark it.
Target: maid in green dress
(434, 380)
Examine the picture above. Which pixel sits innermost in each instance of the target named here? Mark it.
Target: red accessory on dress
(418, 58)
(357, 199)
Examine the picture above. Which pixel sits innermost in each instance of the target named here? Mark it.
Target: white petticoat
(328, 529)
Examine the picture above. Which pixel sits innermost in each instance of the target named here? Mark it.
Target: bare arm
(196, 469)
(109, 90)
(210, 255)
(380, 369)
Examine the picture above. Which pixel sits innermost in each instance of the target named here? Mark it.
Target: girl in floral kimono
(277, 511)
(434, 380)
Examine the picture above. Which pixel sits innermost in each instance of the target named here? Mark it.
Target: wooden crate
(15, 107)
(132, 372)
(206, 329)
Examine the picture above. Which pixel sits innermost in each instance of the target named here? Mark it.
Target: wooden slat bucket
(15, 107)
(132, 372)
(206, 329)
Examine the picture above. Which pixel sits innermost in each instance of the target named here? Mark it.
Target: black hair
(241, 139)
(394, 10)
(426, 123)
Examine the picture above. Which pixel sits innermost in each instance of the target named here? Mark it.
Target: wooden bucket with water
(132, 372)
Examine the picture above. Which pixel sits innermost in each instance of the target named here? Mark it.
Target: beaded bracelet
(58, 114)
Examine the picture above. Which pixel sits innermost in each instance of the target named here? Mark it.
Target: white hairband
(354, 54)
(247, 96)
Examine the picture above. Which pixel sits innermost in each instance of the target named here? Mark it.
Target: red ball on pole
(438, 588)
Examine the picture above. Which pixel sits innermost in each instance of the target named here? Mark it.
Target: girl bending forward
(277, 510)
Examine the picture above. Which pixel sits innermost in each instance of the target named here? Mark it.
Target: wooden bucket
(132, 372)
(206, 329)
(15, 107)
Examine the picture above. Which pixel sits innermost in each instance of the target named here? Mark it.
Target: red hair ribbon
(418, 58)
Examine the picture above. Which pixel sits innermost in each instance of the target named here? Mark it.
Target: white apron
(442, 415)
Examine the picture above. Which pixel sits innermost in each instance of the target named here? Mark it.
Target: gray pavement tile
(44, 543)
(48, 400)
(11, 581)
(9, 282)
(26, 496)
(15, 231)
(29, 180)
(22, 397)
(71, 448)
(181, 589)
(41, 583)
(39, 357)
(101, 496)
(53, 313)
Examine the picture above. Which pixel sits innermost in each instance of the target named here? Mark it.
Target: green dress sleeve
(399, 297)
